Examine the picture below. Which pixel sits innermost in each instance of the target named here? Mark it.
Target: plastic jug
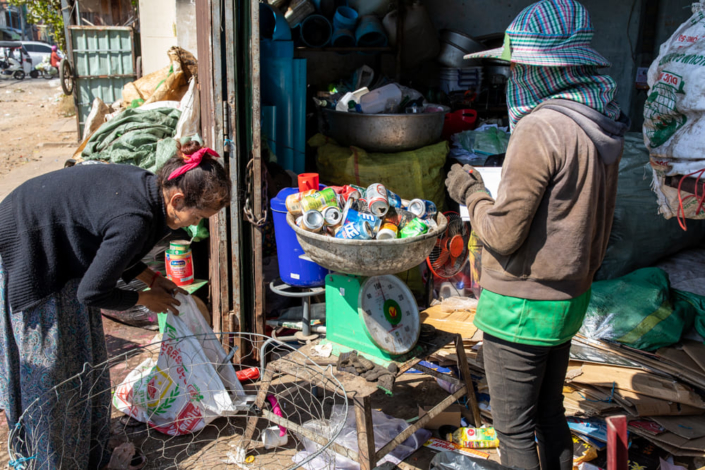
(351, 95)
(420, 40)
(381, 100)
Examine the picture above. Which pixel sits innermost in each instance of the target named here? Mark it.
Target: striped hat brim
(567, 57)
(488, 54)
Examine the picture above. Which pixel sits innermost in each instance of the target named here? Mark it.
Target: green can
(362, 190)
(324, 198)
(178, 247)
(414, 228)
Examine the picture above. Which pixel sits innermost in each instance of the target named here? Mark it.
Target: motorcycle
(46, 70)
(9, 66)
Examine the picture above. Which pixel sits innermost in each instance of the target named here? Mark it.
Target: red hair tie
(193, 161)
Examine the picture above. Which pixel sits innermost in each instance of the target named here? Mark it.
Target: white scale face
(388, 309)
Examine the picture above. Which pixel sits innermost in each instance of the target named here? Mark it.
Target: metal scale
(374, 315)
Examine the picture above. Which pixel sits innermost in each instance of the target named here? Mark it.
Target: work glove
(464, 181)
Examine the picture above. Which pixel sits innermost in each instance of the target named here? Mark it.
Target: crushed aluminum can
(394, 200)
(319, 200)
(387, 232)
(293, 201)
(356, 216)
(332, 215)
(413, 229)
(311, 221)
(421, 208)
(376, 195)
(355, 231)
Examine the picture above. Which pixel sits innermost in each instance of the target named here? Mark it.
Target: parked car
(38, 50)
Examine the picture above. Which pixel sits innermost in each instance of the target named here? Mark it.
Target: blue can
(422, 208)
(394, 200)
(357, 216)
(359, 230)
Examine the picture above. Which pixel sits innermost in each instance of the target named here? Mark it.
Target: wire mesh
(47, 436)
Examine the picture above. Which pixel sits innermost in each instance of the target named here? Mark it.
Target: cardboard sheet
(460, 321)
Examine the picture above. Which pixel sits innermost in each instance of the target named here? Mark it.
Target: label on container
(294, 276)
(179, 268)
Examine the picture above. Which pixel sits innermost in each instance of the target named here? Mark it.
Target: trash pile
(355, 213)
(388, 99)
(640, 353)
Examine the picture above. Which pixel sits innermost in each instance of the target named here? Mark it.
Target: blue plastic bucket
(295, 268)
(345, 18)
(370, 32)
(273, 24)
(343, 38)
(316, 31)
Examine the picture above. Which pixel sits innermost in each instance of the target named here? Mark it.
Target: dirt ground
(37, 135)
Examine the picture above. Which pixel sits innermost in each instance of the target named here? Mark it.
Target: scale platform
(375, 315)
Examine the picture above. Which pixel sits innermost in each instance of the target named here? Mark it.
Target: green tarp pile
(136, 137)
(642, 311)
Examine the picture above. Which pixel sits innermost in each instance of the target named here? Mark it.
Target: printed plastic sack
(190, 121)
(411, 174)
(674, 113)
(168, 84)
(639, 310)
(184, 389)
(640, 236)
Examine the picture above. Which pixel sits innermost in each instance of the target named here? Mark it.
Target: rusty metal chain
(247, 209)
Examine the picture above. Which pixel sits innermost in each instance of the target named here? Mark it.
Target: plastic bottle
(381, 100)
(343, 103)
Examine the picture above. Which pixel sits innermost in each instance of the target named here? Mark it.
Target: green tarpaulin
(136, 137)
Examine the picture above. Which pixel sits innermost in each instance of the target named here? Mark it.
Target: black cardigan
(93, 222)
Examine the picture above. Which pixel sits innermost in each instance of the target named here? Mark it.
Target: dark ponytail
(205, 187)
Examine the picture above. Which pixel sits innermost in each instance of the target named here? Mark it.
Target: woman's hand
(167, 285)
(159, 301)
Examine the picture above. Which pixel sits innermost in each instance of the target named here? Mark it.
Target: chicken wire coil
(219, 444)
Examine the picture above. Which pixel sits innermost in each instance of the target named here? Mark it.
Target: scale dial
(389, 313)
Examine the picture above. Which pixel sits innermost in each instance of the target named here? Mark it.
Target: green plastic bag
(641, 310)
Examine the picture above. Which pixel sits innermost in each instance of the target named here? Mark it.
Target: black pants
(526, 395)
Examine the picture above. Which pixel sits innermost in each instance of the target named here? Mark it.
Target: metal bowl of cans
(384, 132)
(368, 257)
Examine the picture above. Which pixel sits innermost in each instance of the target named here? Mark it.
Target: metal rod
(306, 323)
(438, 375)
(406, 433)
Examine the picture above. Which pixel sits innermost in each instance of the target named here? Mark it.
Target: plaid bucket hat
(550, 33)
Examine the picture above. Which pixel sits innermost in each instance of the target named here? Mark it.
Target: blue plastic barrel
(345, 18)
(295, 268)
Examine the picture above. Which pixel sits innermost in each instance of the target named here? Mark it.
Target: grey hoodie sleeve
(530, 163)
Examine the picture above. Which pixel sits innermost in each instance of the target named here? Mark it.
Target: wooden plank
(365, 433)
(617, 443)
(425, 419)
(259, 404)
(234, 320)
(258, 259)
(438, 375)
(463, 365)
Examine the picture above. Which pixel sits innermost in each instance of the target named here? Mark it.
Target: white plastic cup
(272, 439)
